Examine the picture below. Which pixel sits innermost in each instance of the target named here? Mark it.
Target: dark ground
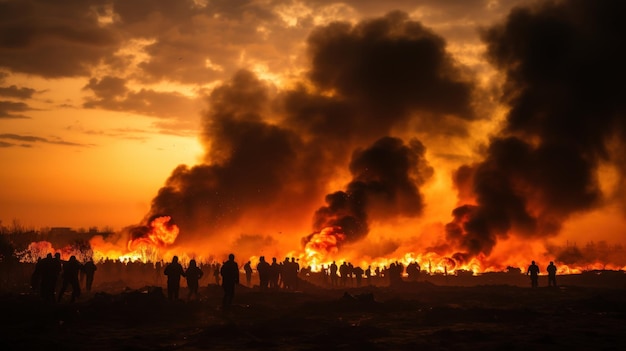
(413, 316)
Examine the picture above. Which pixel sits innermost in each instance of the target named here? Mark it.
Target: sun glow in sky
(452, 126)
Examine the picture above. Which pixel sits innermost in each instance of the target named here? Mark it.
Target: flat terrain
(412, 316)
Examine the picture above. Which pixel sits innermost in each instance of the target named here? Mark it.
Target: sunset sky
(453, 124)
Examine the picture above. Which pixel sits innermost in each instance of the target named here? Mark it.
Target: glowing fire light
(321, 245)
(161, 234)
(318, 251)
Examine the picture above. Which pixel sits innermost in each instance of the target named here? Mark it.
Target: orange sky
(100, 101)
(67, 163)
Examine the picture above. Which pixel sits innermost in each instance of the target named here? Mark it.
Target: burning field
(421, 160)
(386, 149)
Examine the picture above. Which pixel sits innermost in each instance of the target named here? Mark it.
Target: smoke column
(272, 152)
(564, 74)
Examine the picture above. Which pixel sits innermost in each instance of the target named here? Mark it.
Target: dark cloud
(53, 39)
(111, 93)
(390, 65)
(31, 140)
(5, 144)
(8, 109)
(199, 44)
(15, 92)
(108, 88)
(185, 41)
(564, 77)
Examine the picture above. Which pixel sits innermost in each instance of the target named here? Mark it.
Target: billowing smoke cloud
(253, 162)
(388, 69)
(272, 153)
(386, 180)
(564, 83)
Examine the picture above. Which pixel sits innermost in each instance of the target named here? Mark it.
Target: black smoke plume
(564, 82)
(270, 153)
(386, 180)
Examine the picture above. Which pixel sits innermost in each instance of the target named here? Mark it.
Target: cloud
(8, 109)
(119, 133)
(112, 93)
(60, 39)
(15, 92)
(202, 44)
(6, 144)
(30, 140)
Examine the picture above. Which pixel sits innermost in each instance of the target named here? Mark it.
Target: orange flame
(161, 234)
(318, 251)
(322, 245)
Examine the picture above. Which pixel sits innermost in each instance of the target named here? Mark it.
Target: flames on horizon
(382, 116)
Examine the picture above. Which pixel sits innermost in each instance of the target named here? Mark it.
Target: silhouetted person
(48, 273)
(248, 269)
(274, 273)
(551, 274)
(333, 274)
(230, 278)
(358, 273)
(294, 268)
(343, 273)
(71, 269)
(193, 275)
(413, 270)
(58, 267)
(395, 273)
(263, 268)
(284, 273)
(173, 271)
(89, 268)
(533, 271)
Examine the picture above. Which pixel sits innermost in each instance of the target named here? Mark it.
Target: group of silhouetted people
(174, 271)
(533, 272)
(228, 271)
(348, 273)
(274, 275)
(48, 270)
